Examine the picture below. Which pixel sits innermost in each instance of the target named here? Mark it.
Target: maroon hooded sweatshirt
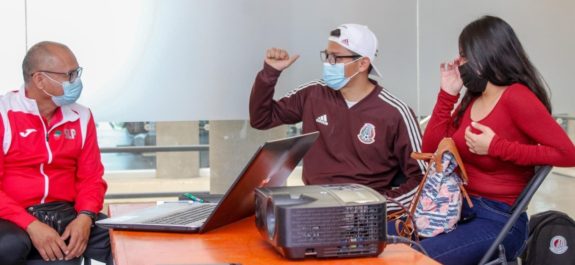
(369, 143)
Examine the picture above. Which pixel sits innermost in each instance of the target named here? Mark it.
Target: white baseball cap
(358, 39)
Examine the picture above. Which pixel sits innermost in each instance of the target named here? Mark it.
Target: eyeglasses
(72, 75)
(332, 58)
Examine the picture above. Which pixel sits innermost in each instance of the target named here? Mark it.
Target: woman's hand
(450, 78)
(479, 143)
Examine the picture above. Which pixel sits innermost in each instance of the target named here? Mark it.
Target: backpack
(436, 207)
(551, 239)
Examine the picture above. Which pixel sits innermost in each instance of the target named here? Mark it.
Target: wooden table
(239, 242)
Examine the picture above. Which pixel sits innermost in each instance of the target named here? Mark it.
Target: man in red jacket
(50, 157)
(366, 134)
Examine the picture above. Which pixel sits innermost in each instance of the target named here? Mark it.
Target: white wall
(169, 60)
(13, 47)
(545, 28)
(191, 59)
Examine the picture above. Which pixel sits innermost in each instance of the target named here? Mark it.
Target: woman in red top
(503, 128)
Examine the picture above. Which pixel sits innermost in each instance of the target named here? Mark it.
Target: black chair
(518, 208)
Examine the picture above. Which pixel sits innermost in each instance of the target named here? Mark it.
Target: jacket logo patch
(558, 245)
(25, 134)
(322, 119)
(70, 134)
(367, 134)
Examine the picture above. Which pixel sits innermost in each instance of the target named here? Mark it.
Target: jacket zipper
(46, 178)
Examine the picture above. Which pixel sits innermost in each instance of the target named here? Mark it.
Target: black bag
(55, 214)
(551, 239)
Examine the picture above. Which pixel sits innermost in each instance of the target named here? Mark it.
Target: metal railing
(150, 149)
(155, 149)
(146, 149)
(562, 119)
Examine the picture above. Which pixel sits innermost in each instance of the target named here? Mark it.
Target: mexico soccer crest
(367, 134)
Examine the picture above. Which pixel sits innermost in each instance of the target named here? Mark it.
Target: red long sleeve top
(525, 136)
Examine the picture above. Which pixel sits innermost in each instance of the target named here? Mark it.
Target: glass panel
(196, 60)
(225, 148)
(124, 134)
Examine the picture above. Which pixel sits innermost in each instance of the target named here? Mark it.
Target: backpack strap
(448, 145)
(422, 156)
(407, 227)
(467, 198)
(426, 157)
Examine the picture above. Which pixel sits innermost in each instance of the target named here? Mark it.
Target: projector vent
(350, 228)
(353, 250)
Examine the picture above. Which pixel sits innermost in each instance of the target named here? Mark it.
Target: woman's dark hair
(494, 52)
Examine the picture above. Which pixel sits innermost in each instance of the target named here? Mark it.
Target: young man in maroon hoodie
(366, 134)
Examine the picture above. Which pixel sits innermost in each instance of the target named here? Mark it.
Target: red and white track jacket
(43, 162)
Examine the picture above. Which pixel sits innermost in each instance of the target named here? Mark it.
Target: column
(177, 164)
(232, 144)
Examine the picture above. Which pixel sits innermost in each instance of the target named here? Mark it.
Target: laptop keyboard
(185, 217)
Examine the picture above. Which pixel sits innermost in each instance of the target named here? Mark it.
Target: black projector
(325, 221)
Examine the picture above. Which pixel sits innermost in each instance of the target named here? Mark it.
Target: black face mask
(471, 80)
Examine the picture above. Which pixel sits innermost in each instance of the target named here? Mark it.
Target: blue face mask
(71, 94)
(334, 75)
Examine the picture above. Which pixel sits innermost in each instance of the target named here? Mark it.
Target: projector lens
(270, 220)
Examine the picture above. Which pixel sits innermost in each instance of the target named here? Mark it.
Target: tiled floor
(556, 193)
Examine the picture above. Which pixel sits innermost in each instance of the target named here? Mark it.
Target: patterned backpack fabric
(439, 206)
(436, 207)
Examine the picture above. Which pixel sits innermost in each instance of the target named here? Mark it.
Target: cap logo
(345, 41)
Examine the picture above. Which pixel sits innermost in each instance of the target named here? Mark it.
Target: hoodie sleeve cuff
(25, 221)
(270, 71)
(87, 207)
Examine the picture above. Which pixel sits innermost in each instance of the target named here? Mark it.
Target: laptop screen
(270, 166)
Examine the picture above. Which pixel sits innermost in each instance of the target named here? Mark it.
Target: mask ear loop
(351, 63)
(60, 83)
(45, 92)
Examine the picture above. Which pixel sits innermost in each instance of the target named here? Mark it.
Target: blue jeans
(470, 240)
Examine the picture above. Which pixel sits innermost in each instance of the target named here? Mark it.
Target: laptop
(269, 167)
